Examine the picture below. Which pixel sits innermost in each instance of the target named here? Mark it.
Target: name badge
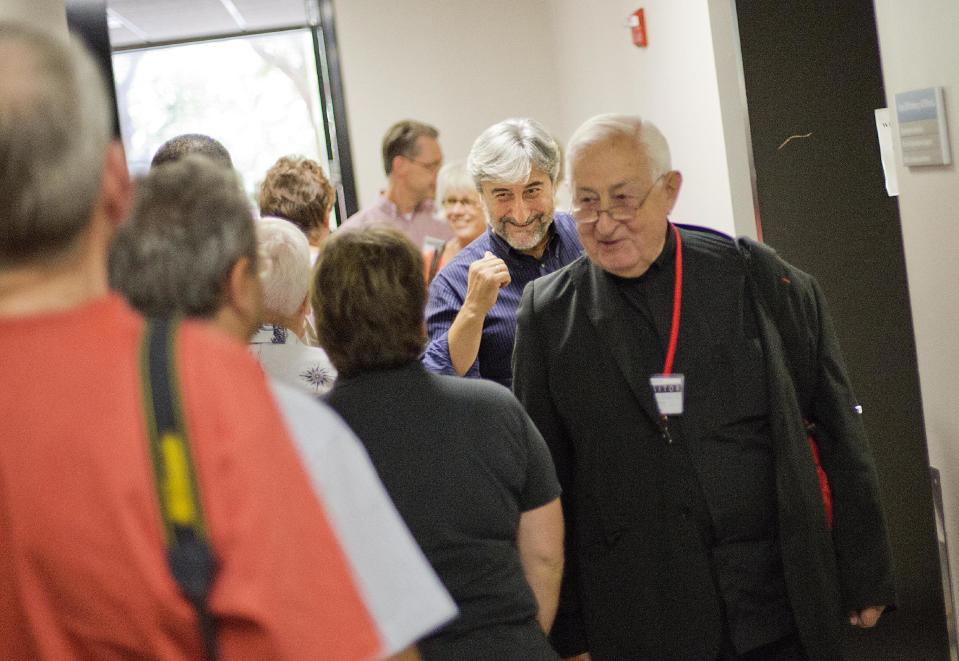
(668, 391)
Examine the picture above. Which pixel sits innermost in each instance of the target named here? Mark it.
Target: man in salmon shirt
(83, 568)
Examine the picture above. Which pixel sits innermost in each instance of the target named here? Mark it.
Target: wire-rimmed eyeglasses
(623, 208)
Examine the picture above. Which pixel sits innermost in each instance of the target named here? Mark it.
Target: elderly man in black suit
(720, 498)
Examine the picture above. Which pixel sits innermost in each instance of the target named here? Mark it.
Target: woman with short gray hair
(460, 204)
(284, 254)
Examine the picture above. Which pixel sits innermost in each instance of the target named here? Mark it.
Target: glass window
(257, 95)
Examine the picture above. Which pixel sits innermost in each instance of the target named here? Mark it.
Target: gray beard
(540, 220)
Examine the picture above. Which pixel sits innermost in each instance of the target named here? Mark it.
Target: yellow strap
(177, 491)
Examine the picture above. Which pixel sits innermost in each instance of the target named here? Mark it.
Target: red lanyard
(677, 306)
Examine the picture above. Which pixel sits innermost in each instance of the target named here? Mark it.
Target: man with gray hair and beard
(471, 312)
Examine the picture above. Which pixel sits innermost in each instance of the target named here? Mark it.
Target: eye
(532, 193)
(503, 196)
(586, 200)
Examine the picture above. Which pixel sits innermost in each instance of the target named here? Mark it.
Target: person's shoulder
(707, 240)
(218, 362)
(766, 259)
(481, 399)
(371, 213)
(562, 282)
(356, 221)
(202, 337)
(470, 389)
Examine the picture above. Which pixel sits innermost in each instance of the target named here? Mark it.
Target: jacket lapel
(613, 321)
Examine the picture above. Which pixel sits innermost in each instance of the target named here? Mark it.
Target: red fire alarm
(637, 25)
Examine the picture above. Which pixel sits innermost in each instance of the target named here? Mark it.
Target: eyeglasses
(623, 208)
(433, 166)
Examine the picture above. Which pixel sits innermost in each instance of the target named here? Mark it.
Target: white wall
(463, 65)
(44, 14)
(919, 49)
(673, 82)
(457, 64)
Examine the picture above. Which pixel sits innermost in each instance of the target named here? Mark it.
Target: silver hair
(508, 151)
(55, 126)
(284, 254)
(643, 133)
(452, 176)
(191, 223)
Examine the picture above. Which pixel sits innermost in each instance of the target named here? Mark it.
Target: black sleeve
(859, 532)
(531, 387)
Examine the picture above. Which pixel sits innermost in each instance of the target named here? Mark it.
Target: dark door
(812, 70)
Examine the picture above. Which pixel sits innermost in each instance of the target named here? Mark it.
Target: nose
(519, 210)
(607, 227)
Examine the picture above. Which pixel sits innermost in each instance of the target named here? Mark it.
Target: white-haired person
(460, 205)
(279, 344)
(471, 312)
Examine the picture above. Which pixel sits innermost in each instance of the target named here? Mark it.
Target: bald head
(54, 133)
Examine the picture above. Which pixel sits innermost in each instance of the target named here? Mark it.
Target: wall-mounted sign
(923, 135)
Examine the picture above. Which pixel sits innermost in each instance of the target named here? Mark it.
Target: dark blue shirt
(448, 291)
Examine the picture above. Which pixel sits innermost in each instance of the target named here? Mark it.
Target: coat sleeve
(860, 536)
(531, 387)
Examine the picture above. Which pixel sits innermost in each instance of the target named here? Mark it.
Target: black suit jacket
(638, 582)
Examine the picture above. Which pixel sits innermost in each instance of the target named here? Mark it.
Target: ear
(244, 293)
(672, 182)
(116, 188)
(399, 165)
(304, 308)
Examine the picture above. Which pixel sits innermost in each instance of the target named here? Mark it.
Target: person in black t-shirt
(464, 464)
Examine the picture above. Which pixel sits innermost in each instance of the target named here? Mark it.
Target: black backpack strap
(189, 554)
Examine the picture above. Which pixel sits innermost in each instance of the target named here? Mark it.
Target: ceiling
(136, 23)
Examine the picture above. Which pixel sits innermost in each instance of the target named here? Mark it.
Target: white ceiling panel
(142, 22)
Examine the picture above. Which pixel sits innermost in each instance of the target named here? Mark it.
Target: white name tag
(668, 391)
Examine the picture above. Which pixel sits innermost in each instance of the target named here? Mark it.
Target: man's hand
(867, 617)
(487, 276)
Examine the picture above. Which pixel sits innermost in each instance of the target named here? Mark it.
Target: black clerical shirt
(721, 459)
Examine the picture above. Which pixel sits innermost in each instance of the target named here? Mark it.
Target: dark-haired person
(463, 463)
(411, 159)
(297, 189)
(191, 143)
(83, 568)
